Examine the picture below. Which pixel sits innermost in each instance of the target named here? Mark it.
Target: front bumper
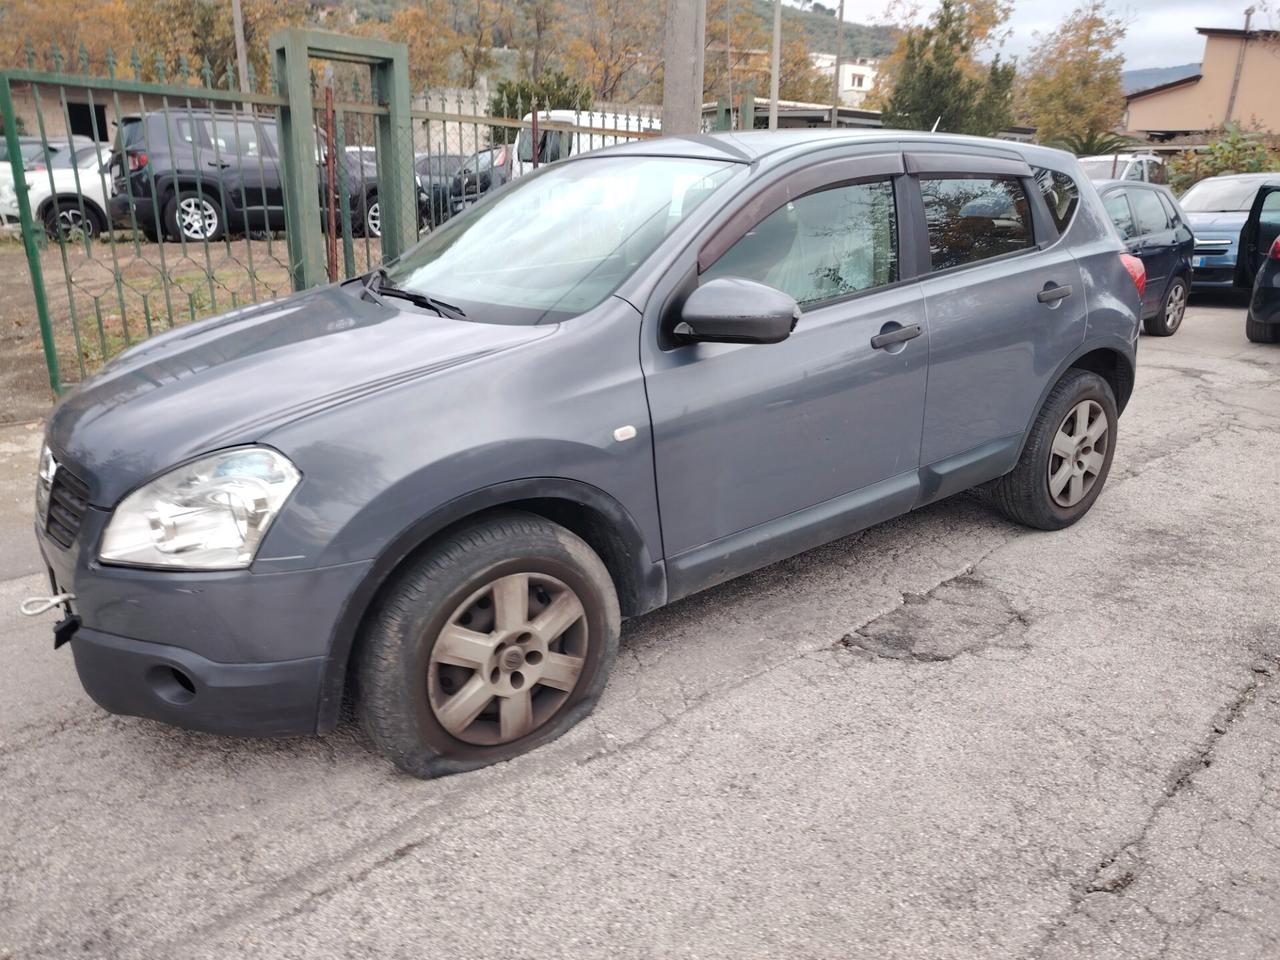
(240, 652)
(1213, 271)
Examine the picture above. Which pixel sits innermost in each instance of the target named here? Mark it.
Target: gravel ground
(946, 737)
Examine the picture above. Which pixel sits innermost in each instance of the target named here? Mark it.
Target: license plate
(1199, 261)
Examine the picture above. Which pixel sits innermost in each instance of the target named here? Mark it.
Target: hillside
(860, 39)
(1135, 80)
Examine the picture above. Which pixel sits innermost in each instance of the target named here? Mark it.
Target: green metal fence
(148, 195)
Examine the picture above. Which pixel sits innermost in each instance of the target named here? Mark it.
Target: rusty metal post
(533, 134)
(331, 175)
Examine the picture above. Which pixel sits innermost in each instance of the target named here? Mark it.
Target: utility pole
(242, 59)
(728, 54)
(775, 64)
(835, 84)
(1235, 83)
(684, 39)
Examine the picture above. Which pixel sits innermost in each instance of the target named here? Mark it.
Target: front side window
(1135, 171)
(822, 246)
(1148, 210)
(1118, 210)
(975, 218)
(556, 243)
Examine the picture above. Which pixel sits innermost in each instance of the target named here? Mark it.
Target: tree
(939, 85)
(798, 78)
(539, 33)
(1071, 86)
(983, 24)
(1093, 144)
(610, 46)
(434, 45)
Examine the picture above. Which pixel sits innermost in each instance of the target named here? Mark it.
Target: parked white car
(66, 189)
(595, 130)
(1146, 167)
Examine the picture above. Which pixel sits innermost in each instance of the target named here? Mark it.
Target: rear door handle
(1053, 294)
(901, 335)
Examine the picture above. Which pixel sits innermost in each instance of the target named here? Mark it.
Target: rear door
(1005, 303)
(1158, 244)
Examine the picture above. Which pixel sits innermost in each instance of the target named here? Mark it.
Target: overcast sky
(1161, 32)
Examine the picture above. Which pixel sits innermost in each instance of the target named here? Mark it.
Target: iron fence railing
(151, 195)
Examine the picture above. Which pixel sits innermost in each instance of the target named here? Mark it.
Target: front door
(749, 434)
(1003, 313)
(1259, 233)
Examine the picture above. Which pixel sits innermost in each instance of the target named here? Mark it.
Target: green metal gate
(124, 240)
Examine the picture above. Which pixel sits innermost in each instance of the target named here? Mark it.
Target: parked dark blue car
(1155, 230)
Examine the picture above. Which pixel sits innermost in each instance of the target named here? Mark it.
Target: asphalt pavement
(945, 737)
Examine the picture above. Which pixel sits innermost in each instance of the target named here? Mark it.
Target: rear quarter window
(1061, 195)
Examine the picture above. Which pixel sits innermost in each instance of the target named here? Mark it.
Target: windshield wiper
(378, 284)
(370, 286)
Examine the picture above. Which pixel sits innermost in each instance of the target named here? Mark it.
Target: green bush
(1232, 151)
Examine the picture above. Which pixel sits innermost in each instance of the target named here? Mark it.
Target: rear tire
(194, 217)
(1169, 319)
(494, 642)
(1259, 332)
(1062, 470)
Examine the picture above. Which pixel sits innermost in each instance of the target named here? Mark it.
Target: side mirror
(734, 310)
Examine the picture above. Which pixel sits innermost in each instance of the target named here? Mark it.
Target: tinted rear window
(1149, 211)
(1061, 194)
(975, 218)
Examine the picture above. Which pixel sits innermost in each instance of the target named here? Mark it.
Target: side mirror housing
(735, 310)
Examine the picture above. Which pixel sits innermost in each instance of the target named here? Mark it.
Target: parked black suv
(194, 174)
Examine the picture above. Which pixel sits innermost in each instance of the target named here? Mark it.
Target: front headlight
(44, 482)
(209, 514)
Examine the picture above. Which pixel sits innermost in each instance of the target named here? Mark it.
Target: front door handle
(900, 335)
(1053, 294)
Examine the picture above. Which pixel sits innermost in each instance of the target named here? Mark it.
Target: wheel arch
(1110, 359)
(585, 510)
(90, 207)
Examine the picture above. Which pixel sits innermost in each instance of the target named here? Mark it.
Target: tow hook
(65, 628)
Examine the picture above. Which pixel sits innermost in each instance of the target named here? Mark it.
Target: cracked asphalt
(945, 737)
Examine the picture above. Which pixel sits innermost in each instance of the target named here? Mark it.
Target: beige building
(1239, 80)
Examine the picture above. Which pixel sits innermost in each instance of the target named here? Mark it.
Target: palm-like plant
(1094, 143)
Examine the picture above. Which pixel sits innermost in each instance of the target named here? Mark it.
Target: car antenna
(934, 128)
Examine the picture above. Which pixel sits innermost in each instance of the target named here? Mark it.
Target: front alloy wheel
(507, 659)
(493, 641)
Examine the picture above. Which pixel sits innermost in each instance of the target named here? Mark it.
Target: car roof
(775, 146)
(1249, 177)
(1101, 185)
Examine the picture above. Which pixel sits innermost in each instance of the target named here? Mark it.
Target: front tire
(1169, 319)
(1066, 458)
(496, 641)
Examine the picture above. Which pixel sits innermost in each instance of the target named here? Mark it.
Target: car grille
(68, 500)
(1212, 248)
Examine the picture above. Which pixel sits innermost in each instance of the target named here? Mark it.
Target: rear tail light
(500, 158)
(136, 160)
(1275, 250)
(1137, 272)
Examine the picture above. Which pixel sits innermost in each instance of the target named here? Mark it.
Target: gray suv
(437, 490)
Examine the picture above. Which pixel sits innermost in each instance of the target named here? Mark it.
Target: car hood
(233, 379)
(1223, 222)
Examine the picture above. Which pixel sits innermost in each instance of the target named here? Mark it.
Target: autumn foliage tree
(939, 83)
(1070, 87)
(611, 45)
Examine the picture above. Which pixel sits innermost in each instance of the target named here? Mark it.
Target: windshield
(558, 242)
(1106, 169)
(1219, 196)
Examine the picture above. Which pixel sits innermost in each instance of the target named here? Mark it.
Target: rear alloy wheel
(194, 218)
(494, 642)
(1166, 322)
(1066, 458)
(69, 222)
(373, 219)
